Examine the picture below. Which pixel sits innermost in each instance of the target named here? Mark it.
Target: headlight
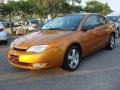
(37, 49)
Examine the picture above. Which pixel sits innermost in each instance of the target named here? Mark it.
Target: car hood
(38, 38)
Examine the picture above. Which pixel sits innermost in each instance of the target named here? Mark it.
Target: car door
(91, 35)
(103, 30)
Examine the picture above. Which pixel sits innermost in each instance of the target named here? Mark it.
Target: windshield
(112, 18)
(63, 23)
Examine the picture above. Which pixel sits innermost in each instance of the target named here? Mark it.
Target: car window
(113, 18)
(92, 21)
(102, 20)
(34, 21)
(27, 22)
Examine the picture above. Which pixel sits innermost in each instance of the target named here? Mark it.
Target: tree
(56, 7)
(6, 9)
(76, 9)
(97, 7)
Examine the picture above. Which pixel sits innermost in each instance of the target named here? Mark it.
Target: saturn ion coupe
(62, 42)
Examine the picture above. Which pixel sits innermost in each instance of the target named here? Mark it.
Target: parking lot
(99, 71)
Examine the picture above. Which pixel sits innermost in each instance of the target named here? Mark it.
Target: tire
(27, 31)
(117, 33)
(111, 42)
(72, 58)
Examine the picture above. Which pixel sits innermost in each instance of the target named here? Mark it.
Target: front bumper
(47, 59)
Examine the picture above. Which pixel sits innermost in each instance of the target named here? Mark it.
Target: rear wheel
(111, 43)
(117, 33)
(72, 58)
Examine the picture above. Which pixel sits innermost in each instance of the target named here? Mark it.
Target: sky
(114, 4)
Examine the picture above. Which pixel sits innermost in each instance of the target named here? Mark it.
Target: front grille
(15, 59)
(19, 49)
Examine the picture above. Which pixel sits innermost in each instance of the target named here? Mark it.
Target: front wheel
(111, 43)
(72, 58)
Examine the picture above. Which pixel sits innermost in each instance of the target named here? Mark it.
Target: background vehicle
(29, 26)
(32, 25)
(20, 30)
(62, 42)
(6, 23)
(3, 34)
(115, 19)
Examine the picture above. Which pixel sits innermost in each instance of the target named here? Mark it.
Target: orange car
(62, 42)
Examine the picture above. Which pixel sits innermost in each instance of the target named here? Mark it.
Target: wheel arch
(64, 61)
(75, 44)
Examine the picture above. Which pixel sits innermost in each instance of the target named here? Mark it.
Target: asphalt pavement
(98, 71)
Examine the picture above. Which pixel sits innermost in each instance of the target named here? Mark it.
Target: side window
(91, 22)
(102, 20)
(27, 22)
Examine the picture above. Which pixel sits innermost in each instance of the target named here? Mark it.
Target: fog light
(39, 65)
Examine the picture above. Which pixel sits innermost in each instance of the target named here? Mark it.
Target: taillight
(35, 26)
(1, 29)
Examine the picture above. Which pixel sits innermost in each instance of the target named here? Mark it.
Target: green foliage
(56, 7)
(26, 6)
(77, 9)
(42, 8)
(97, 7)
(6, 9)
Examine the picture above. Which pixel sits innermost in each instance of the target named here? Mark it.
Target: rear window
(34, 22)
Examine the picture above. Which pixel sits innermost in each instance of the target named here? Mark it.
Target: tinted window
(102, 20)
(113, 18)
(92, 21)
(34, 21)
(64, 23)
